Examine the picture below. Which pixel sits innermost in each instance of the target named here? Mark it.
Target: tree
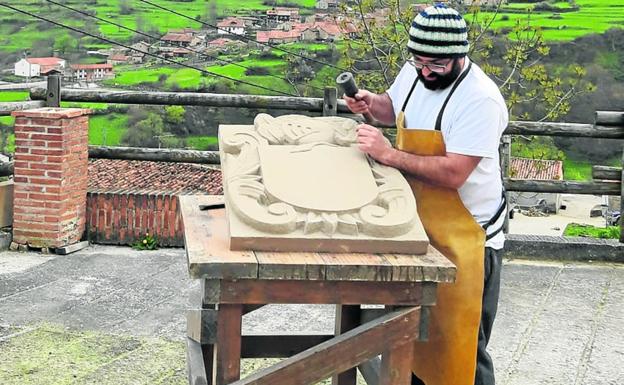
(65, 43)
(145, 133)
(513, 61)
(125, 8)
(174, 114)
(210, 14)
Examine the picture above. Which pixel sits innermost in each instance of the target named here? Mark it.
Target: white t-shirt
(473, 122)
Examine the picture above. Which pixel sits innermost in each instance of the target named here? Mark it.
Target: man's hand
(362, 102)
(371, 141)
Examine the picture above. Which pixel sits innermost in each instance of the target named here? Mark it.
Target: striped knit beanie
(438, 32)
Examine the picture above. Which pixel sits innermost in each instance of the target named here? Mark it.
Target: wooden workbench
(236, 282)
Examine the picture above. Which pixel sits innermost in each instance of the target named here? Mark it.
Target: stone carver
(449, 117)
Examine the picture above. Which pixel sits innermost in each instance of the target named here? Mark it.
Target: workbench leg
(396, 365)
(227, 350)
(347, 318)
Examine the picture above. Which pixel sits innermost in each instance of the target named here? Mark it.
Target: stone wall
(124, 218)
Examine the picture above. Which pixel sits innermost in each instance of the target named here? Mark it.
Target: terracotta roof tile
(45, 61)
(524, 168)
(112, 175)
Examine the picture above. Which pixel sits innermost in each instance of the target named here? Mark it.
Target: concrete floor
(558, 323)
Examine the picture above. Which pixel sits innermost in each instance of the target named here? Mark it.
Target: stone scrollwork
(390, 214)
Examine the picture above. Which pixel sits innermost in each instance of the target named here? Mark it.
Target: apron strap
(501, 210)
(438, 125)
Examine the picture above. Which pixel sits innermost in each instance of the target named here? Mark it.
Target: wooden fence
(608, 124)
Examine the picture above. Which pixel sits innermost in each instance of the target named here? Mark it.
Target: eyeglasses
(437, 68)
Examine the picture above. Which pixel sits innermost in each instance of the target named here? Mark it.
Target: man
(449, 117)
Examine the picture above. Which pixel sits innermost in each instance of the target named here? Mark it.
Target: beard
(441, 82)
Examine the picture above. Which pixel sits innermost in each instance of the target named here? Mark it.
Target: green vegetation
(107, 130)
(14, 96)
(202, 143)
(577, 170)
(578, 230)
(592, 16)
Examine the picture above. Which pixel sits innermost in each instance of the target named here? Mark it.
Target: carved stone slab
(296, 183)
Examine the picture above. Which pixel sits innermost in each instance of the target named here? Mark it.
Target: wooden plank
(207, 243)
(323, 292)
(347, 318)
(609, 118)
(228, 347)
(195, 363)
(370, 370)
(7, 107)
(606, 173)
(201, 325)
(279, 346)
(342, 352)
(290, 265)
(356, 267)
(154, 154)
(71, 248)
(188, 99)
(396, 365)
(563, 186)
(577, 130)
(432, 266)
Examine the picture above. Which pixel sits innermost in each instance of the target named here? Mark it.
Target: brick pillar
(51, 171)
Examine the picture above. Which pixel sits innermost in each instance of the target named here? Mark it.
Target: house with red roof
(91, 72)
(231, 26)
(39, 66)
(540, 169)
(176, 39)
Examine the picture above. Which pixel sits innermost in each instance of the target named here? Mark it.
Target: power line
(138, 50)
(241, 36)
(157, 38)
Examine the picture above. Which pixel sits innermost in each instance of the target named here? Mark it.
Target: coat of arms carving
(296, 183)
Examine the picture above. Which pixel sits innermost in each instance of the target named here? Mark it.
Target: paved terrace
(112, 315)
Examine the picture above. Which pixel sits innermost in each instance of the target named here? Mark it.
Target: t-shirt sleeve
(477, 128)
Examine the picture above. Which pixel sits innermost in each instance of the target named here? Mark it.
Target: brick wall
(124, 218)
(51, 171)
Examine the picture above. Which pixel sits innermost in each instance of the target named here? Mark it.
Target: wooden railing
(608, 124)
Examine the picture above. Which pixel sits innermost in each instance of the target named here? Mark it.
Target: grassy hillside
(592, 16)
(20, 31)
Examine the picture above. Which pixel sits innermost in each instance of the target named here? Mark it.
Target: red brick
(30, 158)
(46, 151)
(27, 171)
(47, 137)
(46, 181)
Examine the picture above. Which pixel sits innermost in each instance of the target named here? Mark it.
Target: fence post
(330, 104)
(53, 94)
(505, 160)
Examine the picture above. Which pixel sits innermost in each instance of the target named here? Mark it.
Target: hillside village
(231, 35)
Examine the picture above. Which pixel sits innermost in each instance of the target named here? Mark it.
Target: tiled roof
(118, 58)
(266, 36)
(523, 168)
(182, 37)
(91, 66)
(45, 61)
(219, 42)
(231, 22)
(108, 175)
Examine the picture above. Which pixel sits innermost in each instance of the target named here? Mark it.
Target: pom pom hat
(438, 32)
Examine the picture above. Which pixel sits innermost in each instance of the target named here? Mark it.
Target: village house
(282, 14)
(329, 5)
(118, 59)
(176, 39)
(223, 44)
(39, 66)
(278, 37)
(91, 72)
(484, 3)
(231, 25)
(525, 168)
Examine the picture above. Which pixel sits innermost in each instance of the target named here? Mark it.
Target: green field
(19, 31)
(13, 96)
(107, 130)
(594, 16)
(201, 143)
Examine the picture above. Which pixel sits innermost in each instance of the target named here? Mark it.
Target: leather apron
(449, 356)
